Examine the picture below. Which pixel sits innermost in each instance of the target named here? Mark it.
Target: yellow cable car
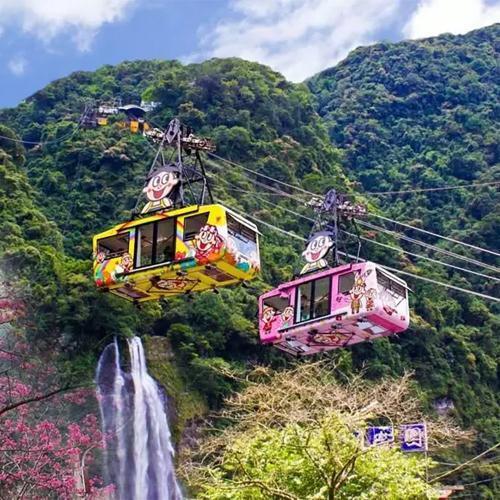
(179, 251)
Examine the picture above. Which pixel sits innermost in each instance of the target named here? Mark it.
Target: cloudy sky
(41, 40)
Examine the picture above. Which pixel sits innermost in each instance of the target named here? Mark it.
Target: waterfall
(139, 452)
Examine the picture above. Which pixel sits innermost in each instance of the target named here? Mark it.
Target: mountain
(391, 117)
(422, 114)
(417, 115)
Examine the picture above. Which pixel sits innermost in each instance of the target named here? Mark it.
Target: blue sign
(376, 436)
(413, 437)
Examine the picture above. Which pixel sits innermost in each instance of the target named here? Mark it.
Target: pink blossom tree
(48, 433)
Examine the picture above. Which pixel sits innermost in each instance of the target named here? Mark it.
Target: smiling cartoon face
(287, 315)
(126, 262)
(207, 241)
(317, 248)
(161, 184)
(171, 284)
(267, 315)
(100, 257)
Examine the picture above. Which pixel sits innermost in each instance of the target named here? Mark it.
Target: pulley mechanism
(177, 176)
(333, 213)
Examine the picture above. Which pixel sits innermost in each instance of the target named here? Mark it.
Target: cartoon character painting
(208, 243)
(268, 318)
(171, 284)
(99, 267)
(357, 292)
(371, 295)
(316, 251)
(334, 338)
(125, 264)
(287, 317)
(160, 187)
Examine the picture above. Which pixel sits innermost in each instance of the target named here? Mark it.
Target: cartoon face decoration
(126, 262)
(207, 242)
(268, 318)
(171, 284)
(162, 182)
(287, 316)
(100, 256)
(371, 294)
(357, 292)
(331, 339)
(318, 247)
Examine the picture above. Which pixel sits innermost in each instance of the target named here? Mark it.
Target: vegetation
(421, 114)
(393, 117)
(298, 434)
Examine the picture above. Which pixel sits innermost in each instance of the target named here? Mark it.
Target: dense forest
(390, 117)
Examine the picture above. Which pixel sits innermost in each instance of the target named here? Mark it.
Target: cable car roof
(133, 109)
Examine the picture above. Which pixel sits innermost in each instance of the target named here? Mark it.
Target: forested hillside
(423, 114)
(400, 116)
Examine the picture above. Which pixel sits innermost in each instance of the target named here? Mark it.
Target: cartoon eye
(156, 181)
(165, 177)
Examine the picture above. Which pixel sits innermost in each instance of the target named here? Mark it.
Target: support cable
(401, 236)
(416, 276)
(435, 234)
(348, 194)
(297, 214)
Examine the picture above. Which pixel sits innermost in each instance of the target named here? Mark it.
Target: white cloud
(298, 37)
(46, 19)
(17, 65)
(433, 17)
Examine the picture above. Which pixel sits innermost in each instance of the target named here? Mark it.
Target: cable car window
(192, 225)
(313, 299)
(346, 282)
(144, 245)
(165, 240)
(391, 290)
(321, 304)
(304, 293)
(277, 303)
(114, 246)
(243, 238)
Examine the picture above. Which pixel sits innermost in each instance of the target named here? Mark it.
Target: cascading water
(139, 457)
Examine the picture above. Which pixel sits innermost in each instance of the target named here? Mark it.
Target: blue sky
(41, 40)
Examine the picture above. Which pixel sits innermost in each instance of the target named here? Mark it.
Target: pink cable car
(334, 308)
(326, 307)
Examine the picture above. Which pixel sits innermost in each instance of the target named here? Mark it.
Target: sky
(42, 40)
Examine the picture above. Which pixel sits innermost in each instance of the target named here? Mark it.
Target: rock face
(184, 406)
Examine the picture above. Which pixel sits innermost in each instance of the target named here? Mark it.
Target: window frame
(242, 229)
(154, 245)
(114, 255)
(312, 300)
(394, 287)
(190, 238)
(340, 276)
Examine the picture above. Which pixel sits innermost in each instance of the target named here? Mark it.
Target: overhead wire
(416, 276)
(256, 172)
(447, 238)
(404, 237)
(424, 257)
(266, 186)
(461, 466)
(380, 243)
(425, 190)
(274, 189)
